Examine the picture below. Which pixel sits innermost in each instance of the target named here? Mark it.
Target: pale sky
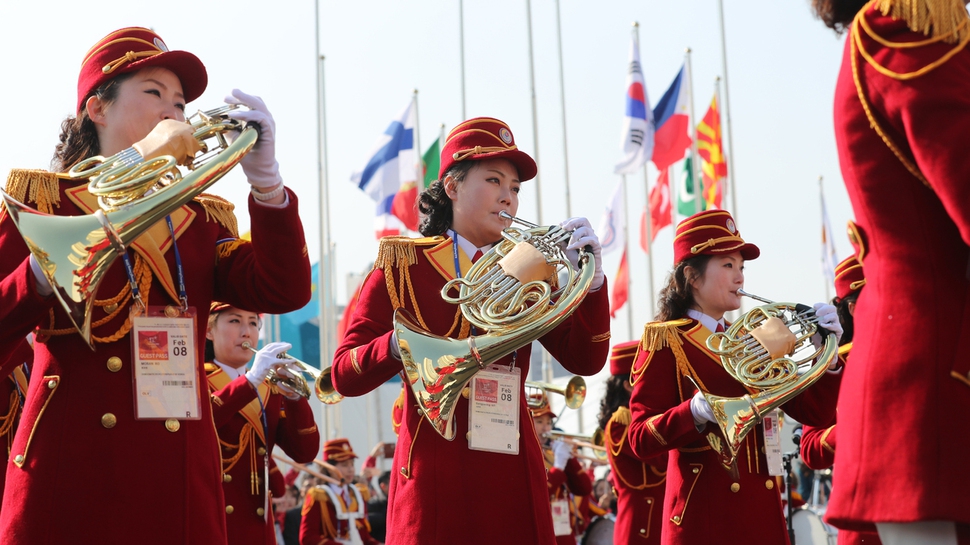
(782, 68)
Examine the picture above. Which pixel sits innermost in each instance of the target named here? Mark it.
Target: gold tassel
(623, 416)
(936, 18)
(655, 335)
(226, 249)
(35, 186)
(220, 210)
(396, 252)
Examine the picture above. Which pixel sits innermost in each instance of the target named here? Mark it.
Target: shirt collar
(467, 246)
(705, 320)
(231, 372)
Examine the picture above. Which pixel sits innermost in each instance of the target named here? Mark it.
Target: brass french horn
(74, 252)
(769, 350)
(509, 293)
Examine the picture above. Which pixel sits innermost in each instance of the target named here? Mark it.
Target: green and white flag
(432, 162)
(686, 191)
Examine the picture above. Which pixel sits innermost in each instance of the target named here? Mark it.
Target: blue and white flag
(638, 124)
(392, 164)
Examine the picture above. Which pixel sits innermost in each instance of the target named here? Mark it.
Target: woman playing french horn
(90, 461)
(446, 491)
(704, 502)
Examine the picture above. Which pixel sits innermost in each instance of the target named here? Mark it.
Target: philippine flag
(638, 125)
(672, 137)
(391, 168)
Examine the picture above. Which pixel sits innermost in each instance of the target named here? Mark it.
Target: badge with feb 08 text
(164, 353)
(493, 410)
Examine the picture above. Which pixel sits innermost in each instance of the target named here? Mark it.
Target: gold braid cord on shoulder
(943, 20)
(39, 187)
(220, 210)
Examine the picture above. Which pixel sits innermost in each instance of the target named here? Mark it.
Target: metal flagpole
(828, 233)
(461, 49)
(562, 96)
(626, 252)
(727, 117)
(535, 118)
(324, 266)
(649, 217)
(693, 145)
(418, 162)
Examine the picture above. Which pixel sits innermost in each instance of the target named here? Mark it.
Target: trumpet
(323, 383)
(595, 441)
(574, 392)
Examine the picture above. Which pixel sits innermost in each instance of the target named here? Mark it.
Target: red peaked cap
(849, 277)
(338, 450)
(540, 402)
(485, 138)
(622, 356)
(712, 232)
(133, 48)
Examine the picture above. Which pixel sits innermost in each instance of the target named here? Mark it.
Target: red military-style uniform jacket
(320, 525)
(703, 502)
(639, 485)
(239, 423)
(11, 390)
(441, 491)
(78, 436)
(565, 484)
(913, 318)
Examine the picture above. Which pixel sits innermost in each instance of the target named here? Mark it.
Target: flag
(621, 287)
(390, 177)
(431, 160)
(829, 258)
(659, 200)
(613, 224)
(638, 122)
(709, 147)
(686, 203)
(672, 136)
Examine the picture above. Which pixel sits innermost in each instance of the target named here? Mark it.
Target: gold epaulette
(211, 368)
(942, 19)
(622, 416)
(220, 210)
(398, 251)
(38, 187)
(657, 335)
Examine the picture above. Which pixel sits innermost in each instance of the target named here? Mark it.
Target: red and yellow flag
(709, 147)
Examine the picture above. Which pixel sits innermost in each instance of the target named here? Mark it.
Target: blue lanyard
(136, 293)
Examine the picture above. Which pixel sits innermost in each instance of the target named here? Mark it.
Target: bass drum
(810, 530)
(599, 531)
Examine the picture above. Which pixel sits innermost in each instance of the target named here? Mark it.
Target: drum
(810, 530)
(599, 532)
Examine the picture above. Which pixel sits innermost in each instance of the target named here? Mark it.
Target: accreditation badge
(772, 431)
(560, 518)
(493, 410)
(165, 368)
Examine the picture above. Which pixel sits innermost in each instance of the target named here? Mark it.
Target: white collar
(466, 246)
(232, 372)
(705, 320)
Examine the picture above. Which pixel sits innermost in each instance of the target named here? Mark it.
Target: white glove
(562, 452)
(701, 409)
(828, 317)
(41, 284)
(583, 235)
(260, 164)
(266, 359)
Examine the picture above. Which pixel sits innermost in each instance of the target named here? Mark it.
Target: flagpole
(562, 96)
(727, 115)
(461, 49)
(626, 253)
(693, 144)
(323, 278)
(418, 163)
(535, 118)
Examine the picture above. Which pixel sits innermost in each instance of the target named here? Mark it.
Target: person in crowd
(704, 499)
(335, 512)
(435, 498)
(377, 507)
(252, 416)
(899, 102)
(639, 484)
(86, 430)
(565, 476)
(817, 446)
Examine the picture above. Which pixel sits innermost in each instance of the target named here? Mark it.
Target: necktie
(719, 328)
(478, 255)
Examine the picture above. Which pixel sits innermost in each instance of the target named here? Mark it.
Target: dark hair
(837, 14)
(384, 478)
(435, 205)
(79, 138)
(845, 317)
(616, 396)
(676, 297)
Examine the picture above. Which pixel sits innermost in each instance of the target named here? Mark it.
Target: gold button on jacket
(735, 487)
(109, 420)
(172, 425)
(114, 364)
(229, 509)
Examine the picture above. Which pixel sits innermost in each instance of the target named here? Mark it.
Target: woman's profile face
(148, 97)
(716, 289)
(231, 328)
(489, 188)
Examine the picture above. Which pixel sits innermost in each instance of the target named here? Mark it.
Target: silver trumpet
(323, 385)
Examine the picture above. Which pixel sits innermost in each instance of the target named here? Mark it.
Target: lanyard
(136, 293)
